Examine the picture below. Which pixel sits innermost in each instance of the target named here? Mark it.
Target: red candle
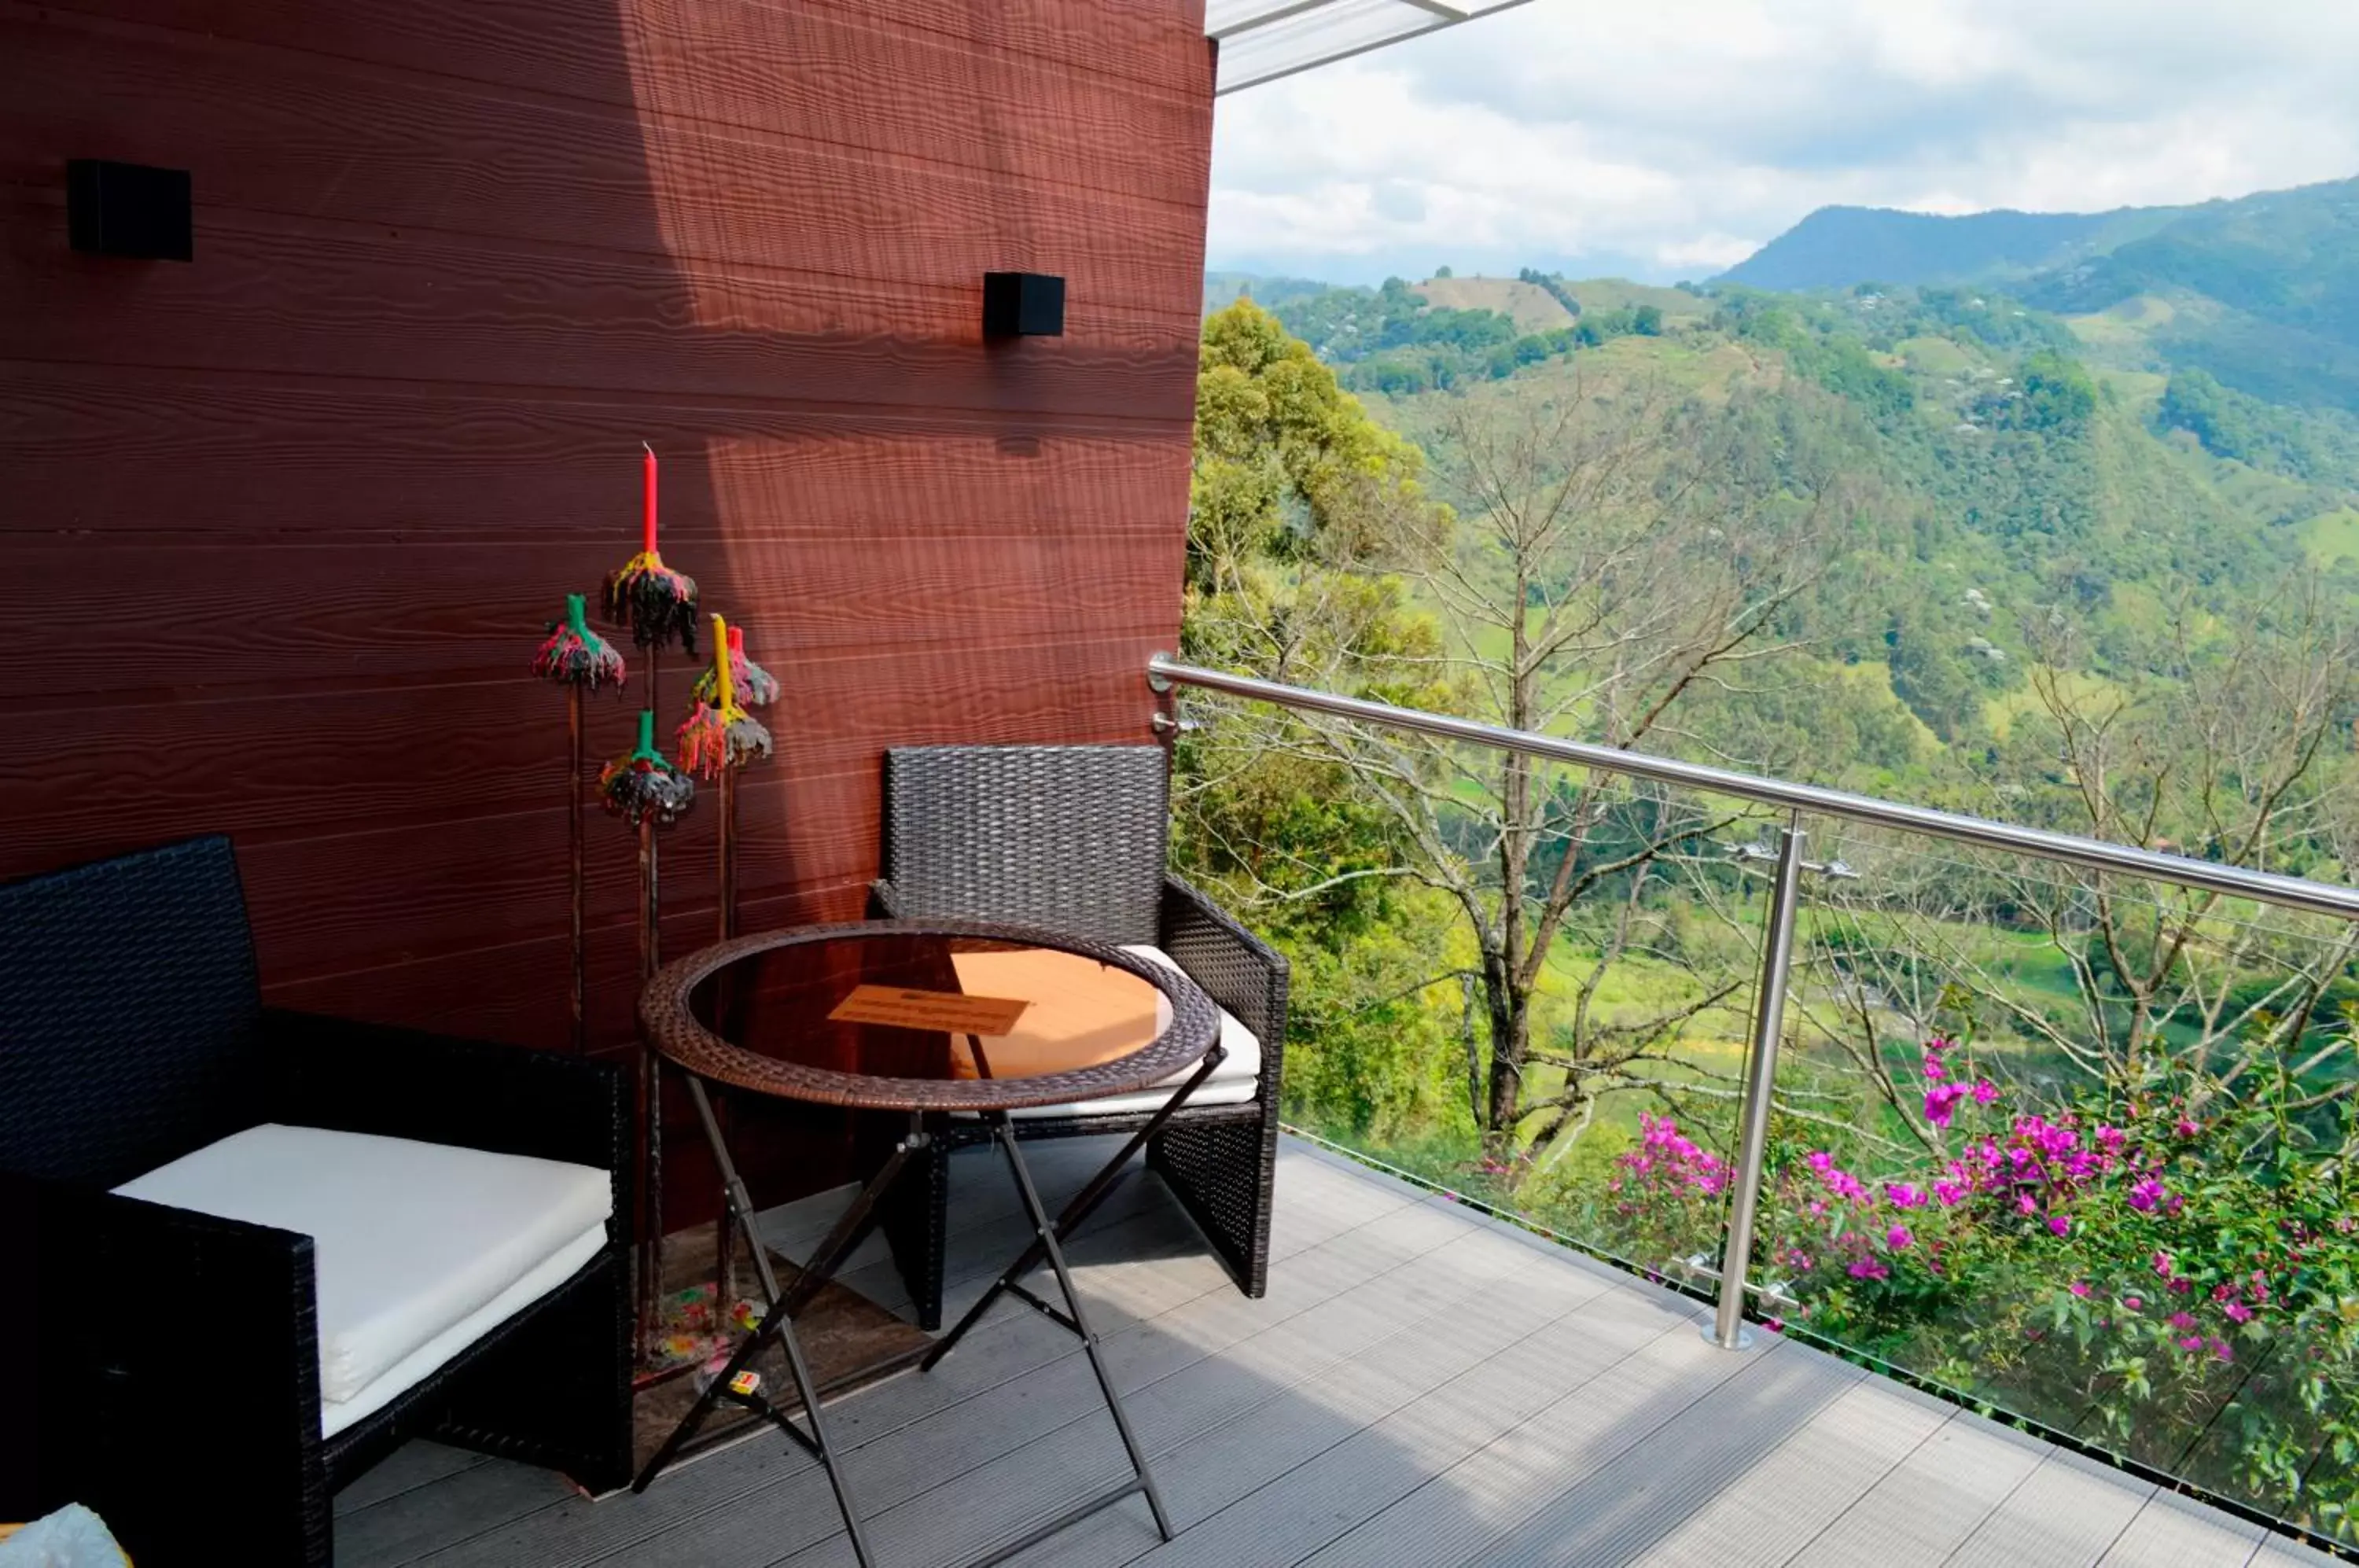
(649, 526)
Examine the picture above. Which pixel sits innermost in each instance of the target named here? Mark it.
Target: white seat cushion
(1235, 1081)
(430, 1358)
(411, 1242)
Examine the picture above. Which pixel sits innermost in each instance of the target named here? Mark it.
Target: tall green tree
(1614, 555)
(1295, 492)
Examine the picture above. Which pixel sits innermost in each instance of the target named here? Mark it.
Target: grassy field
(1532, 307)
(1935, 356)
(2083, 686)
(2332, 537)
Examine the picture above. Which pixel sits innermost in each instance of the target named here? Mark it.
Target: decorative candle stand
(581, 661)
(717, 739)
(659, 605)
(645, 790)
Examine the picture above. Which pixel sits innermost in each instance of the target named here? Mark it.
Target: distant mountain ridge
(1837, 248)
(2261, 291)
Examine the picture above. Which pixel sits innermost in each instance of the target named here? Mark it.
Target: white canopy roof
(1263, 39)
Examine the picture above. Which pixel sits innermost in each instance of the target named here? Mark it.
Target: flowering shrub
(2182, 1266)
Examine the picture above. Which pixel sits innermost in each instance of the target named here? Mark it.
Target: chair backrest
(129, 1014)
(1070, 837)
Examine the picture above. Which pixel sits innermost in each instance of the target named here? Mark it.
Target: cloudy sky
(1668, 139)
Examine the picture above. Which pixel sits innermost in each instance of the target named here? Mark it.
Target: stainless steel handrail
(2096, 855)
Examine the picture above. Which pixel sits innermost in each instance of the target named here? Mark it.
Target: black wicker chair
(169, 1370)
(1073, 838)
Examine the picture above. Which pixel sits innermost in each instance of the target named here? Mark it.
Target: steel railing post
(1727, 1329)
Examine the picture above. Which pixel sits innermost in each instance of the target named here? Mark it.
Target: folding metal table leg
(777, 1326)
(1082, 1206)
(741, 1202)
(1046, 1233)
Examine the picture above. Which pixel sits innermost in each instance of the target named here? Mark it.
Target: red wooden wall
(282, 525)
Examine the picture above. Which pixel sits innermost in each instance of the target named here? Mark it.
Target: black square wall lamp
(129, 209)
(1023, 305)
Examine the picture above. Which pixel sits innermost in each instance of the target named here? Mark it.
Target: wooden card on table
(952, 1012)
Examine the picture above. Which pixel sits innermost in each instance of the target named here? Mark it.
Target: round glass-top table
(925, 1019)
(905, 1015)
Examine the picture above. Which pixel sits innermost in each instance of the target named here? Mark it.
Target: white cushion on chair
(430, 1358)
(1235, 1081)
(412, 1243)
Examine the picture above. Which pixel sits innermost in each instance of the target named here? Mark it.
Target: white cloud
(1670, 139)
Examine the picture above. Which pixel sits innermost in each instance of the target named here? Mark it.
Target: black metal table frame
(849, 1231)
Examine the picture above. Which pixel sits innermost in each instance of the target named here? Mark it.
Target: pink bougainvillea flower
(1905, 1194)
(2163, 1265)
(2081, 1287)
(1869, 1268)
(1985, 1092)
(2024, 1204)
(1933, 1068)
(1775, 1325)
(2186, 1128)
(1897, 1238)
(2180, 1285)
(2238, 1313)
(2181, 1321)
(2146, 1195)
(2192, 1342)
(1950, 1193)
(2135, 1303)
(1942, 1102)
(2060, 1226)
(2109, 1138)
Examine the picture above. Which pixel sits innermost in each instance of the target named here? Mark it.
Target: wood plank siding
(285, 521)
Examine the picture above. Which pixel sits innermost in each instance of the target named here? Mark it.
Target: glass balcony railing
(2069, 1142)
(1620, 1124)
(2060, 1127)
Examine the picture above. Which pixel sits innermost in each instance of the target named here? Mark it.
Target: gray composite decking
(1421, 1386)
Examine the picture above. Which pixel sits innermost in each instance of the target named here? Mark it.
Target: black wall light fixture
(1023, 305)
(129, 209)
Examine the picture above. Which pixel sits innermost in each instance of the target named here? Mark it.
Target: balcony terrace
(1421, 1385)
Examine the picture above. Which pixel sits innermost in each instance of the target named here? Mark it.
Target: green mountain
(2260, 293)
(1837, 248)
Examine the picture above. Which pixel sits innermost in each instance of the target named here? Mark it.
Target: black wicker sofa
(1073, 838)
(168, 1363)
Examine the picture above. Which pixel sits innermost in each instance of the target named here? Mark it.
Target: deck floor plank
(1777, 1504)
(2172, 1531)
(1452, 1518)
(2068, 1512)
(1932, 1502)
(1632, 1503)
(1246, 1507)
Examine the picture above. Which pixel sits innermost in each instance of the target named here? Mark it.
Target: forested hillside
(2020, 461)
